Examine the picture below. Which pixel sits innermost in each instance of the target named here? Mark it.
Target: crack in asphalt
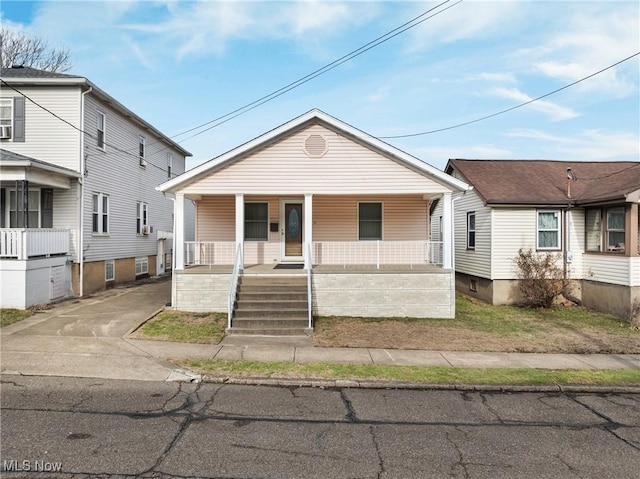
(374, 439)
(611, 426)
(571, 469)
(351, 412)
(485, 403)
(460, 462)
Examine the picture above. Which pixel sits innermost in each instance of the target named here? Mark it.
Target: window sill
(100, 235)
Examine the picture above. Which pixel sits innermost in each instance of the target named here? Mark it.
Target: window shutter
(2, 207)
(18, 119)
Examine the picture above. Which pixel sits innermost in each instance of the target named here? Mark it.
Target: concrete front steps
(271, 305)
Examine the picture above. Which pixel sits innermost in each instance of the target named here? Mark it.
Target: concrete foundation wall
(415, 295)
(201, 292)
(610, 298)
(94, 274)
(28, 283)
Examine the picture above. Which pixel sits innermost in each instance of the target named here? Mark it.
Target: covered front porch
(314, 199)
(36, 244)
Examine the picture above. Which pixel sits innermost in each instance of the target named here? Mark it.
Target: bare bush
(541, 278)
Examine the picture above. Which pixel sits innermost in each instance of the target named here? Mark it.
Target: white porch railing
(233, 288)
(377, 253)
(209, 253)
(25, 243)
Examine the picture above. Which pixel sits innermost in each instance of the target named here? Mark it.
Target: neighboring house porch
(35, 249)
(318, 199)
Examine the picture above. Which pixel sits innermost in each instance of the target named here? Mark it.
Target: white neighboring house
(585, 212)
(78, 174)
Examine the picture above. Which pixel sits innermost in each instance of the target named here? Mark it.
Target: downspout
(81, 180)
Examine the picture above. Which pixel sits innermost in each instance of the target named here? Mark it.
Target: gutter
(81, 181)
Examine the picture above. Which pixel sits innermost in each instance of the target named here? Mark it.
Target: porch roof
(297, 124)
(16, 167)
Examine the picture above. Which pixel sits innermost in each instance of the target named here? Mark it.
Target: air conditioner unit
(143, 162)
(5, 132)
(146, 230)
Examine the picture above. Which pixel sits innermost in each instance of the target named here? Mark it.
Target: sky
(181, 64)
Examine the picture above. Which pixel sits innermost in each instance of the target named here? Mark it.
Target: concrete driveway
(85, 337)
(109, 314)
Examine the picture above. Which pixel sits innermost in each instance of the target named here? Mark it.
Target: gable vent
(315, 146)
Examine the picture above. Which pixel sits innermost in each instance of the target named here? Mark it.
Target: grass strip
(415, 374)
(9, 316)
(202, 328)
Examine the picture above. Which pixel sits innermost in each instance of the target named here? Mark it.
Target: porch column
(447, 231)
(631, 227)
(308, 230)
(240, 224)
(178, 232)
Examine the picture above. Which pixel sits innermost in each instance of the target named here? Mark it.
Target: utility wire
(513, 107)
(90, 135)
(330, 66)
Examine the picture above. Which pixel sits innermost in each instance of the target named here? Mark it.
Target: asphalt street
(80, 428)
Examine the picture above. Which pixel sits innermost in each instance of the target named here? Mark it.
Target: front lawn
(482, 327)
(203, 328)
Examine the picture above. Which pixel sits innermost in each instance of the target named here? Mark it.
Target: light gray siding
(49, 138)
(116, 172)
(476, 262)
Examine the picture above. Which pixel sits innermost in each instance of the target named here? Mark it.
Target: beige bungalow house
(314, 217)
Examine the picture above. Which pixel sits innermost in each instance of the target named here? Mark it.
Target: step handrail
(233, 288)
(309, 264)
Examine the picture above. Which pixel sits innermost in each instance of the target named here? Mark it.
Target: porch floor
(269, 269)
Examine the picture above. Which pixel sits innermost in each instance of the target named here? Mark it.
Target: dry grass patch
(482, 327)
(185, 327)
(9, 316)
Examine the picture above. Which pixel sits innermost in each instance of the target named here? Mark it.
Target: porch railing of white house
(209, 253)
(342, 253)
(308, 260)
(233, 288)
(25, 243)
(377, 253)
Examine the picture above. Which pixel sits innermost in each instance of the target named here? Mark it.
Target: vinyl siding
(476, 262)
(48, 138)
(65, 214)
(577, 243)
(612, 269)
(513, 228)
(335, 218)
(119, 175)
(284, 168)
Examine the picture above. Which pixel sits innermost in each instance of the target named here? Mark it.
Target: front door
(293, 231)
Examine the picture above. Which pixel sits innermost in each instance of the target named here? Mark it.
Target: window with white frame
(369, 221)
(548, 229)
(169, 165)
(615, 229)
(142, 265)
(256, 221)
(141, 217)
(109, 270)
(471, 230)
(101, 123)
(6, 113)
(100, 213)
(16, 214)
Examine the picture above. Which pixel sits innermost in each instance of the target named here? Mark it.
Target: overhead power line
(486, 117)
(423, 17)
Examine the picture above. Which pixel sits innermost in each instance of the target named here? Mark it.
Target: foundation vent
(315, 146)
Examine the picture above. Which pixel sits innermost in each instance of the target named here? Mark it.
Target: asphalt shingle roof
(28, 72)
(545, 181)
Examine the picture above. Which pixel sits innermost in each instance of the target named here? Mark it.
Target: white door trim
(283, 225)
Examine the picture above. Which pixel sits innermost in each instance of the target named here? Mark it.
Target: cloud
(557, 112)
(469, 20)
(586, 38)
(587, 145)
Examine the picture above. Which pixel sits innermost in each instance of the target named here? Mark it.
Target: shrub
(541, 278)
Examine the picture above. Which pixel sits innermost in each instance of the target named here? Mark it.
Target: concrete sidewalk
(89, 338)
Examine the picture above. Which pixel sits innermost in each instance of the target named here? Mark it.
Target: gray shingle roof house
(584, 212)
